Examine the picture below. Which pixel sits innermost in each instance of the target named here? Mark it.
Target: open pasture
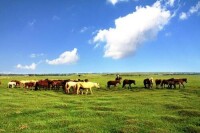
(107, 110)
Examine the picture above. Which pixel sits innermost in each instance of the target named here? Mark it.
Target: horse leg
(108, 86)
(123, 85)
(129, 86)
(183, 85)
(91, 91)
(77, 89)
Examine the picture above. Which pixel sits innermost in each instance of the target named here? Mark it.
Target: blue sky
(72, 36)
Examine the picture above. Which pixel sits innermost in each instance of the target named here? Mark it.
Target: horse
(29, 84)
(148, 83)
(87, 86)
(22, 83)
(158, 82)
(55, 84)
(17, 82)
(43, 84)
(180, 82)
(114, 83)
(11, 84)
(70, 84)
(129, 82)
(165, 82)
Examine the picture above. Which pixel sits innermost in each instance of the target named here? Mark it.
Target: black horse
(148, 83)
(158, 82)
(129, 82)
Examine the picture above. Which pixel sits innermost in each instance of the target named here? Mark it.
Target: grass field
(107, 110)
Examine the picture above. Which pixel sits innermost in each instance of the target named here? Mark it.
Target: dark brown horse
(114, 83)
(158, 82)
(165, 82)
(148, 83)
(43, 84)
(56, 84)
(129, 82)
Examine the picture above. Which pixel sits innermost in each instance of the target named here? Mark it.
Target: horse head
(97, 85)
(185, 80)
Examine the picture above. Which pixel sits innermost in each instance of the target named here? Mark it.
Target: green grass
(107, 110)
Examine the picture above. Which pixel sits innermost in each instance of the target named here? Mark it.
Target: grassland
(107, 110)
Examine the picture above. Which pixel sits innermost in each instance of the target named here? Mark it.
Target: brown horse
(148, 83)
(180, 82)
(29, 85)
(129, 82)
(56, 84)
(17, 82)
(158, 82)
(43, 84)
(114, 83)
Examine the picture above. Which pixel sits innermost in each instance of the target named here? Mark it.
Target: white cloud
(28, 67)
(113, 2)
(183, 16)
(170, 2)
(192, 10)
(132, 30)
(36, 55)
(68, 57)
(195, 8)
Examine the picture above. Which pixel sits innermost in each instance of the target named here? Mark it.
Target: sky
(95, 36)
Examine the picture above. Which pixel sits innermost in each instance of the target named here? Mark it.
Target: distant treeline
(121, 74)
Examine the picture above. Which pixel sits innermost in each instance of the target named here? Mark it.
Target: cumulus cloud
(27, 67)
(68, 57)
(113, 2)
(132, 30)
(192, 10)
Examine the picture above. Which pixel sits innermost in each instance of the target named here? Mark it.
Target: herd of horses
(148, 83)
(84, 86)
(79, 86)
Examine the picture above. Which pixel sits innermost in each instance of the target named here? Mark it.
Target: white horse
(87, 86)
(11, 84)
(70, 84)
